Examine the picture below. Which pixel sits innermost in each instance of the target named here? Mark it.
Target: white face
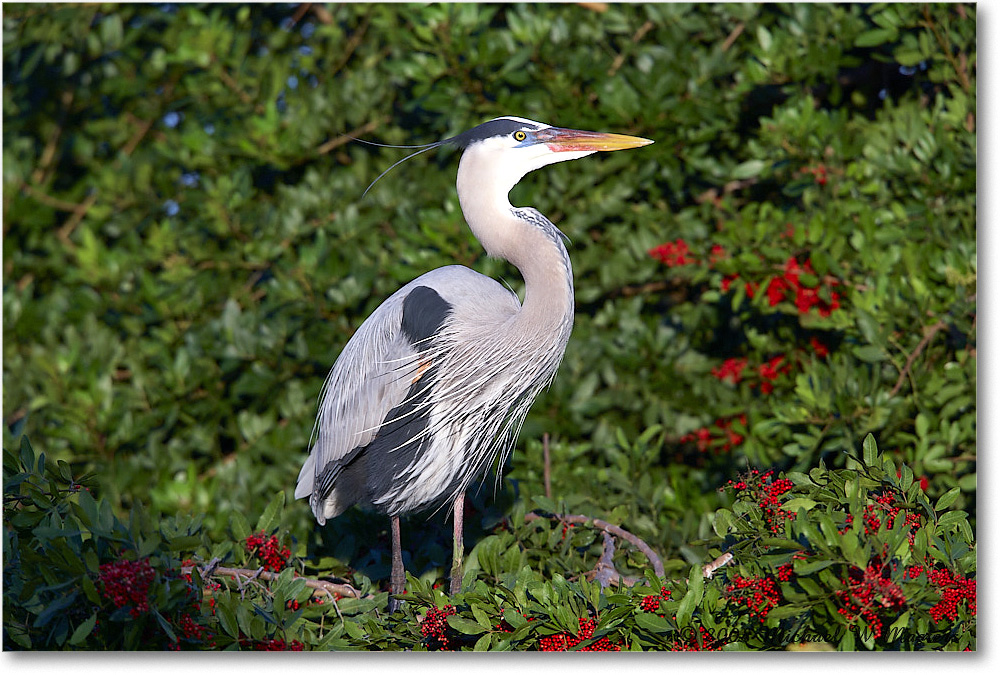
(523, 149)
(498, 153)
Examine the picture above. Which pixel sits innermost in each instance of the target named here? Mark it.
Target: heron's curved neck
(538, 254)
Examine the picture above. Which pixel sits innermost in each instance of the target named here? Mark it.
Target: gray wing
(371, 377)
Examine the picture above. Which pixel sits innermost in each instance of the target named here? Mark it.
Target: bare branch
(335, 143)
(605, 572)
(605, 526)
(244, 575)
(736, 32)
(928, 336)
(721, 561)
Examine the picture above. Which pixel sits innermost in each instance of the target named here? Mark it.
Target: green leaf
(227, 619)
(149, 546)
(783, 612)
(239, 525)
(723, 522)
(54, 608)
(947, 499)
(653, 622)
(870, 327)
(900, 624)
(464, 625)
(691, 599)
(950, 519)
(870, 449)
(164, 626)
(805, 567)
(748, 169)
(811, 587)
(799, 503)
(184, 543)
(875, 37)
(27, 455)
(514, 618)
(870, 354)
(271, 518)
(83, 630)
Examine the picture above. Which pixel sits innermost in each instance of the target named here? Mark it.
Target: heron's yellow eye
(520, 135)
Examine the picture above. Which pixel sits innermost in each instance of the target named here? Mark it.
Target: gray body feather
(448, 405)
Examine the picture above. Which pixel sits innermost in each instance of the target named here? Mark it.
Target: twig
(48, 200)
(641, 289)
(240, 574)
(352, 44)
(139, 134)
(731, 38)
(547, 467)
(721, 561)
(322, 15)
(48, 154)
(605, 572)
(66, 230)
(928, 336)
(959, 68)
(620, 58)
(605, 526)
(335, 143)
(300, 12)
(235, 87)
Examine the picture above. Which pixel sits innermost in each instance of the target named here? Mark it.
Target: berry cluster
(769, 372)
(885, 510)
(272, 645)
(759, 594)
(818, 173)
(722, 439)
(272, 555)
(797, 283)
(434, 627)
(867, 594)
(955, 590)
(818, 347)
(651, 603)
(766, 490)
(785, 572)
(732, 369)
(190, 630)
(790, 286)
(673, 253)
(561, 642)
(126, 582)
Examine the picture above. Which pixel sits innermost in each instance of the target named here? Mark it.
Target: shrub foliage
(774, 356)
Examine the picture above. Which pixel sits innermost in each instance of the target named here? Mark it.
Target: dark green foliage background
(186, 248)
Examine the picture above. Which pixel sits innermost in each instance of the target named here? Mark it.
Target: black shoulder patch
(424, 312)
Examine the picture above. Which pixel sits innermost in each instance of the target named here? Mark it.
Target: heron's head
(503, 150)
(498, 153)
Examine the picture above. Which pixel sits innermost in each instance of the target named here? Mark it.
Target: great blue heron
(434, 386)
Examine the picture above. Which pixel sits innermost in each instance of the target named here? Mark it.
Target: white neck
(540, 258)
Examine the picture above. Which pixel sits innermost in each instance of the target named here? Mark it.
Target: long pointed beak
(566, 140)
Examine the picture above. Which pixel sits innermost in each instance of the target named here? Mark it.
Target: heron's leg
(397, 580)
(458, 550)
